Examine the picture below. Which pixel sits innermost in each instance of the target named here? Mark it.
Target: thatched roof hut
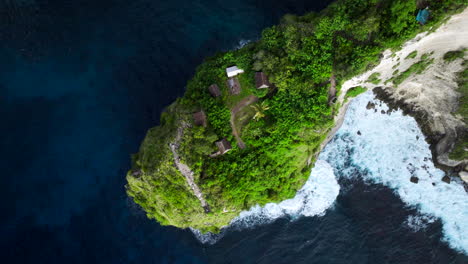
(261, 80)
(223, 145)
(234, 85)
(214, 90)
(199, 118)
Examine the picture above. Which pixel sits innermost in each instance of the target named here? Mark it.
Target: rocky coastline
(432, 96)
(440, 143)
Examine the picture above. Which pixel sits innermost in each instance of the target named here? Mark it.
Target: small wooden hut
(199, 118)
(234, 86)
(223, 146)
(214, 90)
(261, 80)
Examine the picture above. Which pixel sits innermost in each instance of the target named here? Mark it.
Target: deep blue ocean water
(80, 83)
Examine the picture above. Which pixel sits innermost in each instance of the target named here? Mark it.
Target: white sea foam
(391, 149)
(419, 222)
(242, 43)
(313, 199)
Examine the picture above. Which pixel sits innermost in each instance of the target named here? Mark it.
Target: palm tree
(260, 109)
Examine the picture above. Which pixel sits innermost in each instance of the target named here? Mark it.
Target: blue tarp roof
(423, 16)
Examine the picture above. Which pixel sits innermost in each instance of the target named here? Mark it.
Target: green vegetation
(374, 78)
(454, 54)
(416, 68)
(412, 55)
(462, 80)
(459, 152)
(299, 56)
(355, 91)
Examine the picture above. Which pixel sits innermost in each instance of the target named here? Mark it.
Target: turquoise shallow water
(81, 82)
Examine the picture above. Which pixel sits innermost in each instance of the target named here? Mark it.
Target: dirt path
(243, 103)
(332, 90)
(185, 170)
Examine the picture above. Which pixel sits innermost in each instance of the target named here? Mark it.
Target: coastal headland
(252, 121)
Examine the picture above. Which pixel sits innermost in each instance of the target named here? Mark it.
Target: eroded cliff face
(421, 80)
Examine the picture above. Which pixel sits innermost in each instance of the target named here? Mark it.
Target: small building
(199, 118)
(423, 16)
(223, 146)
(214, 90)
(261, 80)
(233, 71)
(234, 86)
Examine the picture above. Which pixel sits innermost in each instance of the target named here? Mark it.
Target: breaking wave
(242, 43)
(390, 149)
(313, 199)
(419, 222)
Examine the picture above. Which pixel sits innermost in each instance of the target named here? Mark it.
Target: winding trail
(185, 170)
(243, 103)
(332, 90)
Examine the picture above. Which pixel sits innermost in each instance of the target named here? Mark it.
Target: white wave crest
(242, 43)
(419, 222)
(390, 149)
(313, 199)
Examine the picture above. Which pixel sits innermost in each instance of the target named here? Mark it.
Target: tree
(260, 109)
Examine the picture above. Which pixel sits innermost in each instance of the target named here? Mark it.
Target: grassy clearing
(243, 117)
(247, 88)
(374, 78)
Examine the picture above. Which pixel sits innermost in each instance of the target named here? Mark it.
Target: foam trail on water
(314, 198)
(390, 150)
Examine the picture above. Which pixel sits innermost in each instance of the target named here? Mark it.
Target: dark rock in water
(433, 184)
(417, 138)
(370, 105)
(414, 179)
(359, 132)
(389, 111)
(382, 112)
(446, 179)
(375, 110)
